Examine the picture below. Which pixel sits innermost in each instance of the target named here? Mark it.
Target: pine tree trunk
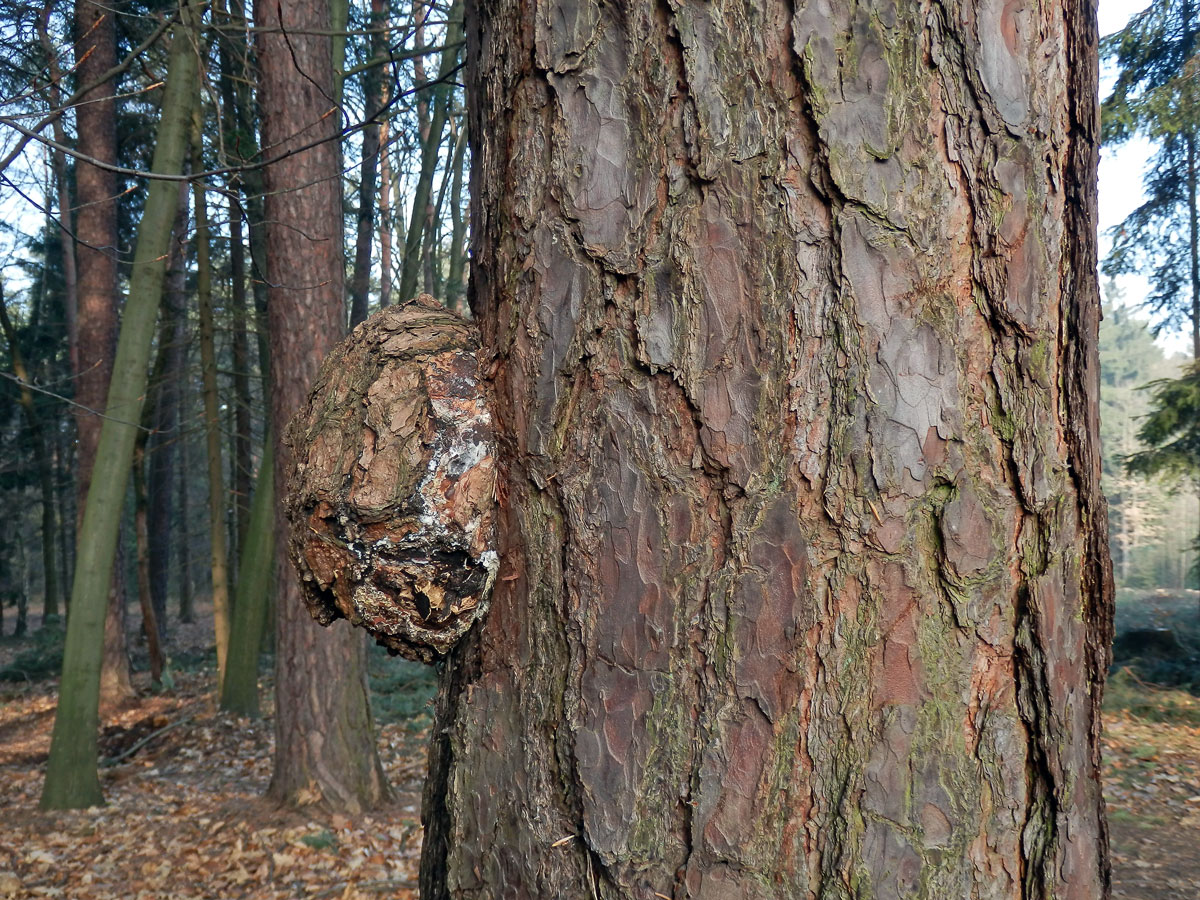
(324, 746)
(66, 218)
(792, 311)
(96, 194)
(96, 230)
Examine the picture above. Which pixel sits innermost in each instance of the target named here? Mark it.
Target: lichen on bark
(392, 494)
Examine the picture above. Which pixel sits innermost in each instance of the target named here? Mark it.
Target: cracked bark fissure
(791, 310)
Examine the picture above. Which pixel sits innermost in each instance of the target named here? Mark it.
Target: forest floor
(185, 815)
(1152, 788)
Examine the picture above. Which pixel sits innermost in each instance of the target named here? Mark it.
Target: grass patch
(321, 840)
(1125, 817)
(41, 660)
(1127, 692)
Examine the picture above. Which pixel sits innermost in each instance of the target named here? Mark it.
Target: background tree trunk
(385, 208)
(163, 480)
(96, 191)
(71, 780)
(419, 222)
(217, 498)
(44, 462)
(239, 687)
(372, 83)
(792, 309)
(325, 741)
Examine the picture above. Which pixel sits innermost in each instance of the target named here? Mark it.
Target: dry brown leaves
(185, 815)
(1152, 788)
(186, 819)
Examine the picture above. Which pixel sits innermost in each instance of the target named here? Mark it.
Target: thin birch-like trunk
(71, 777)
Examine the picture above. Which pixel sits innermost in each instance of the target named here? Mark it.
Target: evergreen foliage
(1144, 513)
(1155, 96)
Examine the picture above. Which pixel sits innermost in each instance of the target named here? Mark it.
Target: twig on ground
(110, 761)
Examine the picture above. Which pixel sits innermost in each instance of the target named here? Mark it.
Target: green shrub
(41, 660)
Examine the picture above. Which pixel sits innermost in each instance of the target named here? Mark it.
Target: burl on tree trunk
(393, 490)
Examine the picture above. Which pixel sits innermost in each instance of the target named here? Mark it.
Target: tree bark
(217, 498)
(241, 464)
(324, 747)
(184, 545)
(95, 332)
(792, 311)
(95, 228)
(66, 229)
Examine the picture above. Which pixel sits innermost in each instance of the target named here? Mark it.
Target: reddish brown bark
(792, 312)
(324, 749)
(96, 229)
(96, 192)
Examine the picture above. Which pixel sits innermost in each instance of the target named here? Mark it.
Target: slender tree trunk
(236, 144)
(339, 18)
(372, 91)
(385, 212)
(62, 466)
(242, 477)
(1194, 250)
(432, 246)
(96, 322)
(324, 736)
(1193, 242)
(43, 461)
(219, 552)
(62, 185)
(246, 148)
(71, 780)
(186, 585)
(141, 524)
(239, 688)
(455, 278)
(430, 148)
(162, 479)
(792, 311)
(21, 626)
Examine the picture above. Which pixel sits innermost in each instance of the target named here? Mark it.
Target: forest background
(189, 546)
